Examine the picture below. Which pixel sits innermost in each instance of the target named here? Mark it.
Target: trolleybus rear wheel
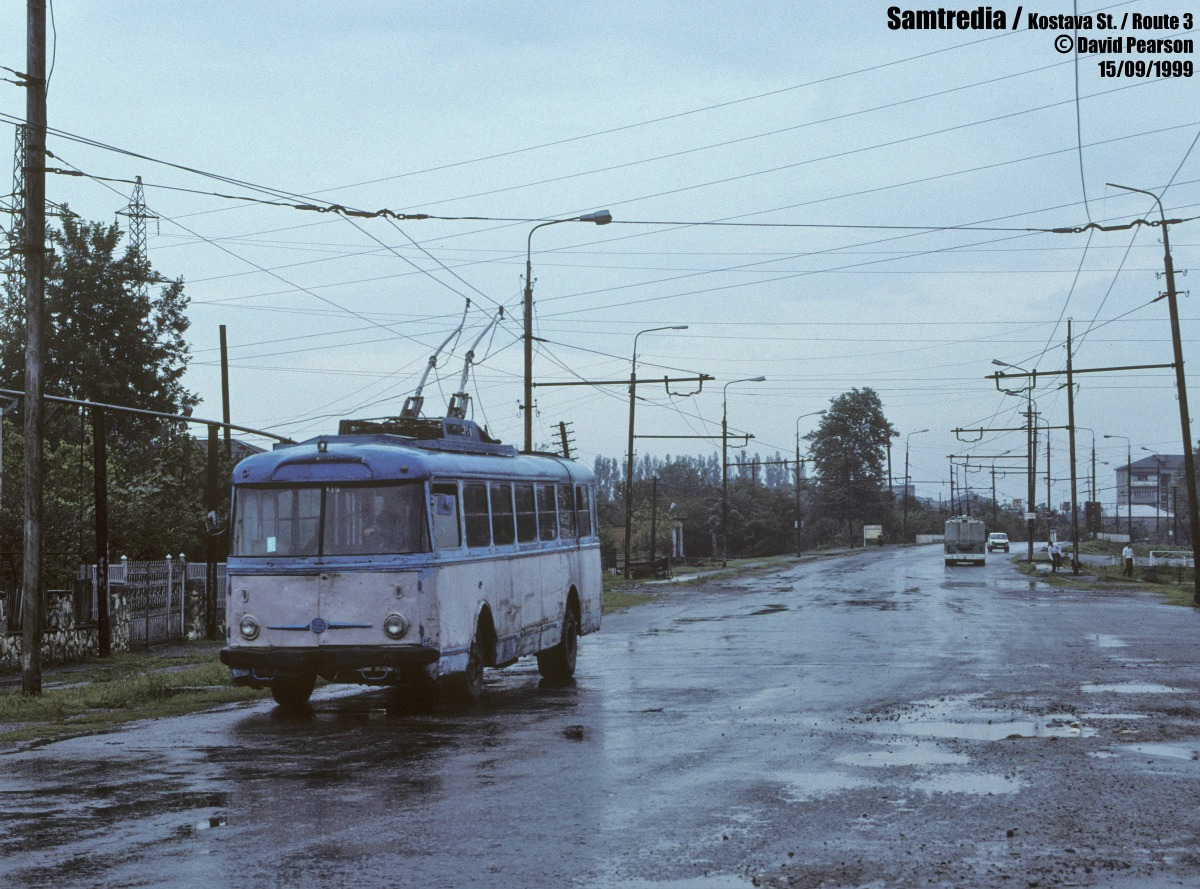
(292, 692)
(558, 663)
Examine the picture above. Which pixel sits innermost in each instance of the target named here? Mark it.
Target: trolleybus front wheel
(467, 685)
(292, 692)
(558, 663)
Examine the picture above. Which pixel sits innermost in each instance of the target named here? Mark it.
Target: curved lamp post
(629, 461)
(725, 463)
(1185, 418)
(600, 217)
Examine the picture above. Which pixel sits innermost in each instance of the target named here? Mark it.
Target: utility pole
(34, 251)
(1071, 439)
(225, 395)
(1185, 419)
(100, 488)
(212, 537)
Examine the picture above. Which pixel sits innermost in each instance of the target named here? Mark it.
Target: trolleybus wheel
(292, 692)
(467, 685)
(558, 663)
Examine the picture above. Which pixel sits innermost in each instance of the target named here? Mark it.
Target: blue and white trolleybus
(405, 551)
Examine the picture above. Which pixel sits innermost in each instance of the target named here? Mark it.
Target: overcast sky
(885, 184)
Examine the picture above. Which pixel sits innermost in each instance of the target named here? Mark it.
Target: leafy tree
(111, 339)
(848, 451)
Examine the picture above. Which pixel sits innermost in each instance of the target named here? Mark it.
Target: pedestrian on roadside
(1055, 556)
(1127, 555)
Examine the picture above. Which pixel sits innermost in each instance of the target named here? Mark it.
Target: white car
(997, 541)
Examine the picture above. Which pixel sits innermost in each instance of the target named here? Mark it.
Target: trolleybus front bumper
(372, 663)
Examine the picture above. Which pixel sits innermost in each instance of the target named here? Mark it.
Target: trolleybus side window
(443, 505)
(503, 529)
(475, 508)
(566, 513)
(527, 531)
(583, 503)
(363, 520)
(547, 519)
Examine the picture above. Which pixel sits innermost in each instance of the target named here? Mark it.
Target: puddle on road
(1051, 727)
(877, 604)
(972, 783)
(1189, 751)
(1117, 716)
(802, 787)
(909, 755)
(188, 830)
(723, 881)
(1101, 640)
(1132, 688)
(772, 608)
(956, 718)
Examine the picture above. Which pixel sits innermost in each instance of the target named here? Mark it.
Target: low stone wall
(66, 638)
(63, 640)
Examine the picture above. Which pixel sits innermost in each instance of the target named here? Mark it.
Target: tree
(109, 339)
(848, 451)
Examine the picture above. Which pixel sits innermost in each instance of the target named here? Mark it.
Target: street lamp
(798, 419)
(1128, 486)
(629, 462)
(725, 463)
(906, 438)
(1185, 418)
(600, 217)
(1031, 523)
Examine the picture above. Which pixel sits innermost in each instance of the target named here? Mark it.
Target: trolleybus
(404, 552)
(964, 539)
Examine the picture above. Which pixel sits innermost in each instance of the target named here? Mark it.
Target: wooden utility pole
(100, 485)
(34, 249)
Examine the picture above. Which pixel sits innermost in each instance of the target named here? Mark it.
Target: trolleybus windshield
(329, 520)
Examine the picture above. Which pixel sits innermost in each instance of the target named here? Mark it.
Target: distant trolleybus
(965, 538)
(407, 551)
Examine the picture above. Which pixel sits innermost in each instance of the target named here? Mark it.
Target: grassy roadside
(130, 686)
(1175, 585)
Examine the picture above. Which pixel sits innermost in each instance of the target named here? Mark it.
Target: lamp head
(600, 217)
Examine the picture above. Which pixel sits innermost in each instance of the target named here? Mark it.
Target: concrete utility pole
(34, 250)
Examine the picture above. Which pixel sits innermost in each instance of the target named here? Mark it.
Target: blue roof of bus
(381, 457)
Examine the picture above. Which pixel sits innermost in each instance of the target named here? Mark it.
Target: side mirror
(212, 523)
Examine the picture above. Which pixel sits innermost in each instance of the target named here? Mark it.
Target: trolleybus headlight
(248, 627)
(395, 626)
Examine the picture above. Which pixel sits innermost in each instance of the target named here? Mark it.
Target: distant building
(1152, 481)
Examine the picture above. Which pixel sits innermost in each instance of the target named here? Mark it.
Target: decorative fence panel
(154, 597)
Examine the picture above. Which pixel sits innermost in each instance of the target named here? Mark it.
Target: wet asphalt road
(870, 720)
